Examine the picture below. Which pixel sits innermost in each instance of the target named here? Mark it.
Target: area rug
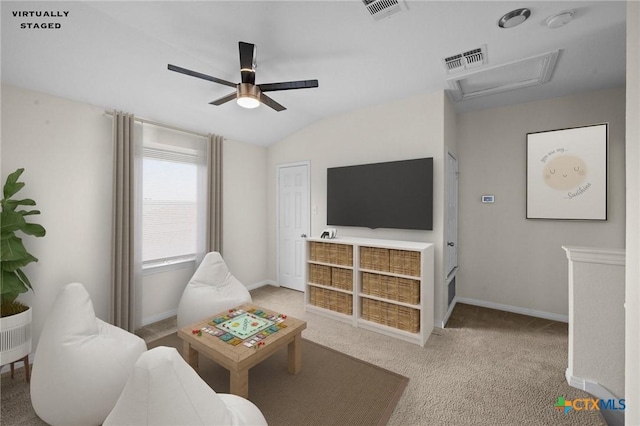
(331, 389)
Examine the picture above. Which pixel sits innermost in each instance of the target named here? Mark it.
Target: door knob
(450, 243)
(303, 235)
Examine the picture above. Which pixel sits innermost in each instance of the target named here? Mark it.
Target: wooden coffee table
(240, 358)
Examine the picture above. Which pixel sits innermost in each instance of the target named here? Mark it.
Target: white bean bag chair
(81, 363)
(211, 290)
(164, 390)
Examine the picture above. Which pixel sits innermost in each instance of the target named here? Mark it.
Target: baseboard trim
(613, 418)
(444, 321)
(594, 388)
(262, 284)
(514, 309)
(159, 317)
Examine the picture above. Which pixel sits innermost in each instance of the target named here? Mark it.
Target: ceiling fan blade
(200, 75)
(247, 62)
(289, 85)
(271, 103)
(224, 99)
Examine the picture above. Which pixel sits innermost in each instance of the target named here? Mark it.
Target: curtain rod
(166, 126)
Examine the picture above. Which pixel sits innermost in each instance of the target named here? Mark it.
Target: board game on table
(248, 327)
(262, 333)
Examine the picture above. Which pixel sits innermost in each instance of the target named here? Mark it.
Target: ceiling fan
(248, 94)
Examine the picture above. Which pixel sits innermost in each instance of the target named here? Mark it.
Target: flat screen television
(395, 194)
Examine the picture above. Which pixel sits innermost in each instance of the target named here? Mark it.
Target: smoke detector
(560, 19)
(380, 9)
(466, 60)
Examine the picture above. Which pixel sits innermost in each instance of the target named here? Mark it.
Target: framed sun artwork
(567, 173)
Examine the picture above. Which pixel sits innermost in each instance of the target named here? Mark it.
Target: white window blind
(172, 196)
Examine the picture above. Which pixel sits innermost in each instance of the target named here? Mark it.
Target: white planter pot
(15, 337)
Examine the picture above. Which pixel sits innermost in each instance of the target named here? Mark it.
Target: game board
(239, 326)
(245, 325)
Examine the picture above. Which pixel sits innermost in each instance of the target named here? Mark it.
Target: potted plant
(15, 326)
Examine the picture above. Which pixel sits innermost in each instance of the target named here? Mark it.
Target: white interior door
(293, 224)
(452, 214)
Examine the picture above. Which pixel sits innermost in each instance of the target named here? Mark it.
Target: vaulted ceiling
(115, 55)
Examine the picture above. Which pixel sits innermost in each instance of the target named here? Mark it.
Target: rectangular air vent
(380, 9)
(466, 60)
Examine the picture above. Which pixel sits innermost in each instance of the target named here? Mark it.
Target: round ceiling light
(248, 95)
(559, 20)
(513, 18)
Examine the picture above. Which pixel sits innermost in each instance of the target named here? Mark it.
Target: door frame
(306, 163)
(450, 274)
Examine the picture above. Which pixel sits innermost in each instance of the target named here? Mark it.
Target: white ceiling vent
(380, 9)
(466, 60)
(514, 75)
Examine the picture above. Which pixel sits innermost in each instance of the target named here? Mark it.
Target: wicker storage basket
(389, 314)
(373, 284)
(393, 288)
(332, 300)
(374, 258)
(320, 274)
(343, 254)
(342, 278)
(320, 252)
(404, 262)
(408, 290)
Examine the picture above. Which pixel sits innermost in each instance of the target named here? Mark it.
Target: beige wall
(632, 332)
(66, 149)
(504, 258)
(409, 128)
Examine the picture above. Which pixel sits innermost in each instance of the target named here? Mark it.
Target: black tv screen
(396, 194)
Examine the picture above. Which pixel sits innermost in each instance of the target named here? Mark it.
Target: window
(172, 203)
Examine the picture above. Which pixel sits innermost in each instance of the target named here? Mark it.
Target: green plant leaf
(11, 222)
(12, 186)
(34, 229)
(14, 254)
(12, 204)
(24, 279)
(11, 286)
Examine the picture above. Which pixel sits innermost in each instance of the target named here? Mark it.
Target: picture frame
(567, 173)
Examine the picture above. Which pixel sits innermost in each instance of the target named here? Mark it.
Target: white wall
(405, 129)
(160, 292)
(596, 320)
(632, 332)
(244, 241)
(66, 148)
(504, 258)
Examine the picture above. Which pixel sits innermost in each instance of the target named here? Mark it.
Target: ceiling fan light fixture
(248, 96)
(513, 18)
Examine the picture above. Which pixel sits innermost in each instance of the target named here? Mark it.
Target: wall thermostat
(488, 198)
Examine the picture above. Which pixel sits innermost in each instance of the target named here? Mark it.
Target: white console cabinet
(382, 285)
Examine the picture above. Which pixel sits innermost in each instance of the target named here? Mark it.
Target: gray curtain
(123, 236)
(214, 192)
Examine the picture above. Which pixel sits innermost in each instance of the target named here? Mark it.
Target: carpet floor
(331, 389)
(487, 367)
